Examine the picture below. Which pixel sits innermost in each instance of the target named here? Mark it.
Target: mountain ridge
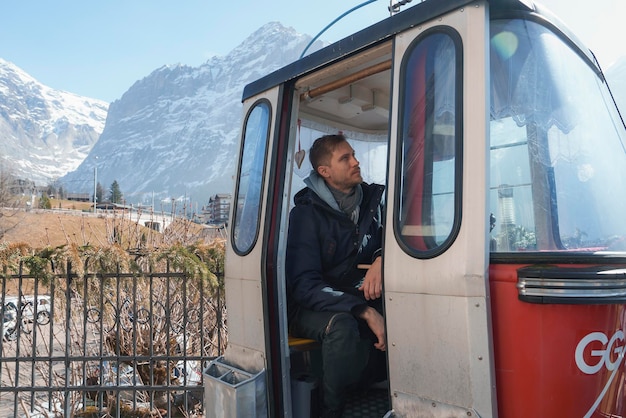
(172, 135)
(180, 124)
(45, 132)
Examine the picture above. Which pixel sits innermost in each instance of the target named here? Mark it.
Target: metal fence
(99, 345)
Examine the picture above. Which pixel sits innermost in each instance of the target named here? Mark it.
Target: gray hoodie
(316, 183)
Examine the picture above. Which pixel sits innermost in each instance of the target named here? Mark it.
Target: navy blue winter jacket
(324, 247)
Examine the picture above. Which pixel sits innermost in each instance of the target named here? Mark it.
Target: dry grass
(47, 228)
(52, 228)
(104, 243)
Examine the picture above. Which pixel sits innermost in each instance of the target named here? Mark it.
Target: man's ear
(322, 170)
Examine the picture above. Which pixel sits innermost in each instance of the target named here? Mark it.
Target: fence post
(67, 405)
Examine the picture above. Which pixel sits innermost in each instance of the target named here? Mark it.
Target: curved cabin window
(247, 212)
(558, 166)
(431, 130)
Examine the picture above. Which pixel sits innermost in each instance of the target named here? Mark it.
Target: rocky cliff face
(175, 132)
(44, 133)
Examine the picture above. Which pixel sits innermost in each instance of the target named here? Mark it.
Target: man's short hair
(322, 149)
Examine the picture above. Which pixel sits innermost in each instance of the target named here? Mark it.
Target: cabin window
(557, 147)
(247, 212)
(429, 195)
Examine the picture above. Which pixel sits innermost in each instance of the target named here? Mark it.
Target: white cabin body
(502, 153)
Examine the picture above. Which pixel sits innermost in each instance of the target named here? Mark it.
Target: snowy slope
(45, 133)
(175, 132)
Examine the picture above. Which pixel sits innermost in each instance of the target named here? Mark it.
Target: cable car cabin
(504, 260)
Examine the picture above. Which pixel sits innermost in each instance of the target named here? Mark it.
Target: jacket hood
(317, 184)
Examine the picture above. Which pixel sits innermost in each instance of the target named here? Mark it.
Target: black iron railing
(107, 344)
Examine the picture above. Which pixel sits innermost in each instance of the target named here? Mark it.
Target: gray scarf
(348, 203)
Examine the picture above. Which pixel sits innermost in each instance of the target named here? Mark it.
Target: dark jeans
(346, 349)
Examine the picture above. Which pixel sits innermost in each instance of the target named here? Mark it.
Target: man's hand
(376, 322)
(372, 286)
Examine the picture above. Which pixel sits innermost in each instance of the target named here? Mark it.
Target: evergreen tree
(6, 195)
(99, 193)
(115, 194)
(44, 202)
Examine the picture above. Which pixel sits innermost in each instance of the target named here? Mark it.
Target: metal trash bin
(233, 393)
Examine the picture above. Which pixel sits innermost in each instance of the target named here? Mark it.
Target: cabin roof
(389, 27)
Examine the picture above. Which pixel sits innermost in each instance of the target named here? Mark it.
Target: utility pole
(95, 187)
(95, 183)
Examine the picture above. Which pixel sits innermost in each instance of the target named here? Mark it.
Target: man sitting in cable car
(334, 228)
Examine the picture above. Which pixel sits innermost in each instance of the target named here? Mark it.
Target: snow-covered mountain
(172, 134)
(175, 132)
(44, 133)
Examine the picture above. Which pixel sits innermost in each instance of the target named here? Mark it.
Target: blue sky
(100, 48)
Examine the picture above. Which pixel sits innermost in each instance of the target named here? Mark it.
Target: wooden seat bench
(305, 356)
(302, 344)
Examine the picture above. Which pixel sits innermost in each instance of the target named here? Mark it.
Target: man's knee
(342, 326)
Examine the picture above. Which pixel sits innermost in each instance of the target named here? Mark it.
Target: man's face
(343, 171)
